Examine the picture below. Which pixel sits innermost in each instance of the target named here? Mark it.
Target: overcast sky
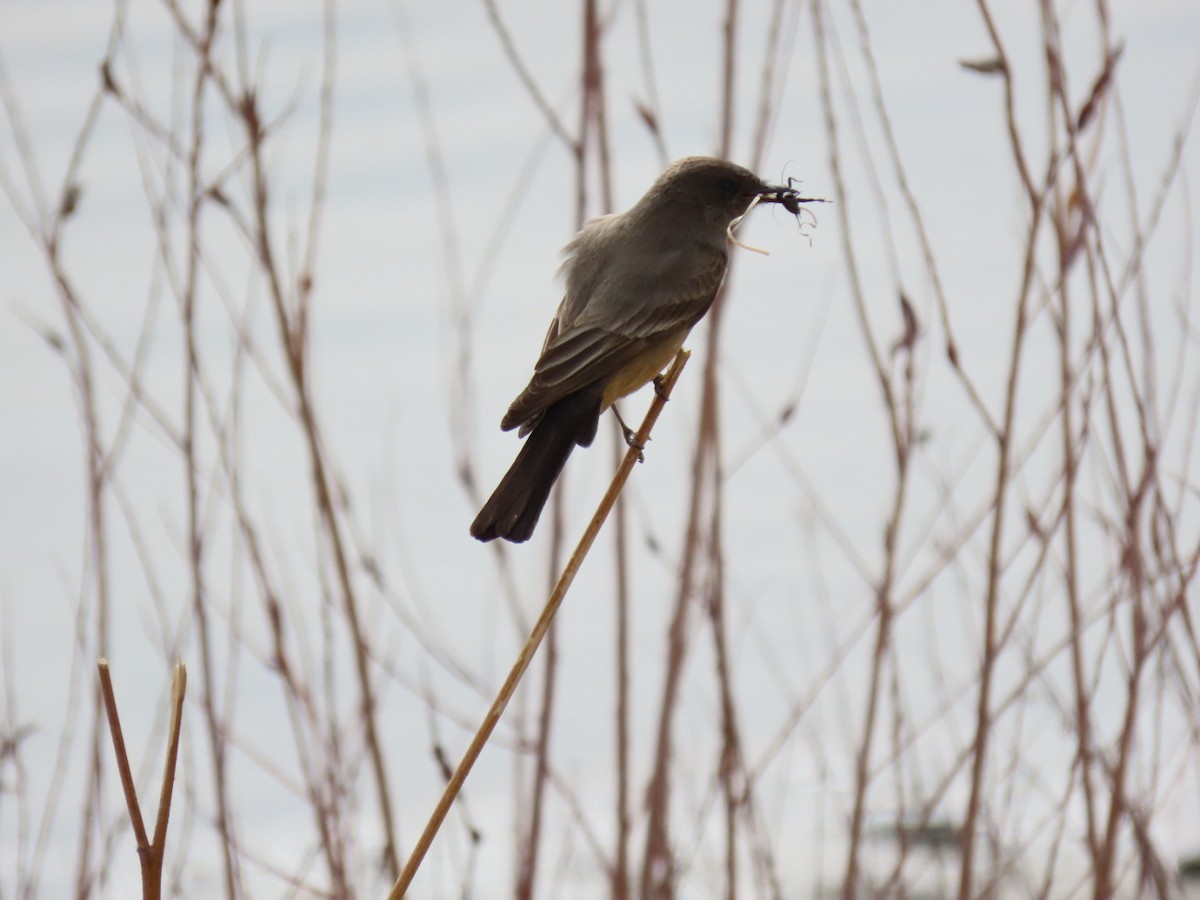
(384, 341)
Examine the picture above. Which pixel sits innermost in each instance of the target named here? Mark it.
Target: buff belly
(644, 368)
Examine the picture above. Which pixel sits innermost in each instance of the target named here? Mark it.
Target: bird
(637, 282)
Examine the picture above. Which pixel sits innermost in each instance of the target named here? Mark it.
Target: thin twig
(178, 691)
(525, 76)
(525, 657)
(118, 739)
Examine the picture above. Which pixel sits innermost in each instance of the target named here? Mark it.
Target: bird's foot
(630, 435)
(632, 440)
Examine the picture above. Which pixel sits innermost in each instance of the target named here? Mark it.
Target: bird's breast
(643, 368)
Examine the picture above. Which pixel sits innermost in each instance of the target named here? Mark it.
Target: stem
(525, 657)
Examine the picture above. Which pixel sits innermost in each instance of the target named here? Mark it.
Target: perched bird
(636, 284)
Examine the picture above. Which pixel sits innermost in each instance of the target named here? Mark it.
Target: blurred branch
(526, 77)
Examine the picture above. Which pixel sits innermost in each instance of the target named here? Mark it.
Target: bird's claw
(633, 442)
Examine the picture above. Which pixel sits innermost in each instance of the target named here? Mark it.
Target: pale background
(804, 505)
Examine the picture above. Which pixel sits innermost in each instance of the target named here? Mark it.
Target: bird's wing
(609, 334)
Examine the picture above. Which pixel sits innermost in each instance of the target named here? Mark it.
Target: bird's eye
(727, 185)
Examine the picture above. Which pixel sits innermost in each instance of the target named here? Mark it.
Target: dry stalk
(151, 852)
(525, 657)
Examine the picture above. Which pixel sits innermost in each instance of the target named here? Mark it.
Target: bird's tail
(515, 506)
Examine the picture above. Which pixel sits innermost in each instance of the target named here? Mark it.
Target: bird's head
(715, 190)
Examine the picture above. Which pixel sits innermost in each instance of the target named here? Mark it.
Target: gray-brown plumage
(636, 284)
